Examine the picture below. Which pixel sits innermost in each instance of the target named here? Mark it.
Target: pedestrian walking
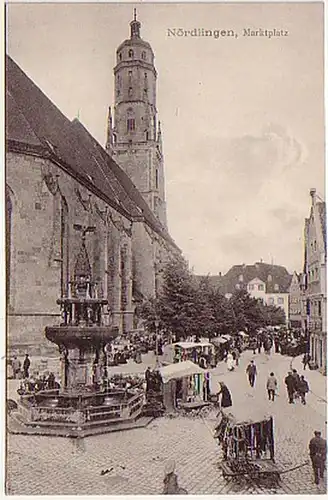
(290, 384)
(251, 372)
(230, 362)
(297, 380)
(253, 345)
(318, 454)
(272, 384)
(303, 388)
(16, 366)
(306, 360)
(26, 366)
(237, 356)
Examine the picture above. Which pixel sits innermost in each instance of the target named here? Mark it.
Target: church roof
(35, 125)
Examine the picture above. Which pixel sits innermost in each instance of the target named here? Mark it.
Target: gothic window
(130, 91)
(64, 246)
(131, 124)
(319, 308)
(131, 54)
(130, 76)
(143, 55)
(146, 80)
(120, 56)
(156, 178)
(147, 135)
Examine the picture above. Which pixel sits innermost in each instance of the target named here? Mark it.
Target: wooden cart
(248, 447)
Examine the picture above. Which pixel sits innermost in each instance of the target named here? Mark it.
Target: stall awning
(191, 345)
(226, 337)
(242, 334)
(180, 370)
(219, 340)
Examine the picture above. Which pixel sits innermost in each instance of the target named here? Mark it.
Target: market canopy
(180, 370)
(219, 340)
(191, 345)
(243, 334)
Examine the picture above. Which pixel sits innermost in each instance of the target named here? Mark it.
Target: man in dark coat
(290, 384)
(251, 371)
(306, 360)
(303, 388)
(148, 378)
(26, 366)
(318, 454)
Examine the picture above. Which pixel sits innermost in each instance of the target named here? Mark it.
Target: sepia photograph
(165, 249)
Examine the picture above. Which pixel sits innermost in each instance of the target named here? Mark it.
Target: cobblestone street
(136, 458)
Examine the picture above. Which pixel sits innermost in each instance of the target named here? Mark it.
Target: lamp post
(156, 327)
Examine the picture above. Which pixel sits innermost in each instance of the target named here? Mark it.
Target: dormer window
(131, 54)
(276, 287)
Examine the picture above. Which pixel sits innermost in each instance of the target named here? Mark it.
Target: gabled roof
(35, 125)
(270, 274)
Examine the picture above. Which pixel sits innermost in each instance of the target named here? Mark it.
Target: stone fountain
(83, 405)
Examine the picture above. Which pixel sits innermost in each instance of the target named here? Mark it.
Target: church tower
(134, 137)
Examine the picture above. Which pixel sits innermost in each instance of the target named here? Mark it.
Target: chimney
(313, 195)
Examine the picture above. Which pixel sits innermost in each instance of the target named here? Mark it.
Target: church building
(69, 200)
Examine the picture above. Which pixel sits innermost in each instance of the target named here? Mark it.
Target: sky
(242, 117)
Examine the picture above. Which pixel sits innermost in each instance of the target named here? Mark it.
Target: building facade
(314, 282)
(295, 301)
(63, 188)
(267, 282)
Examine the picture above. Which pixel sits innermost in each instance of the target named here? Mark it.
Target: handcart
(248, 447)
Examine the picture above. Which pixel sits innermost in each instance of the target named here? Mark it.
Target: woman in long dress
(230, 362)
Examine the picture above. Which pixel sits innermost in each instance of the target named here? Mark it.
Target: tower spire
(135, 26)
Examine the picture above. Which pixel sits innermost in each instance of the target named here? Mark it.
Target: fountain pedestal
(83, 405)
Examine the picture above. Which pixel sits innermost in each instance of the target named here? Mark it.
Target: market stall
(201, 353)
(247, 442)
(184, 384)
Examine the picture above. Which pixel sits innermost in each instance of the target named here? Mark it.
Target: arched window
(64, 244)
(156, 178)
(276, 287)
(130, 124)
(130, 91)
(143, 55)
(131, 54)
(120, 56)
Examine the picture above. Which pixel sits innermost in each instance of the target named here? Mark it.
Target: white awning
(179, 370)
(192, 345)
(219, 340)
(227, 337)
(243, 334)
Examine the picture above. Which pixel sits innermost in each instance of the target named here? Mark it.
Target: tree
(248, 311)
